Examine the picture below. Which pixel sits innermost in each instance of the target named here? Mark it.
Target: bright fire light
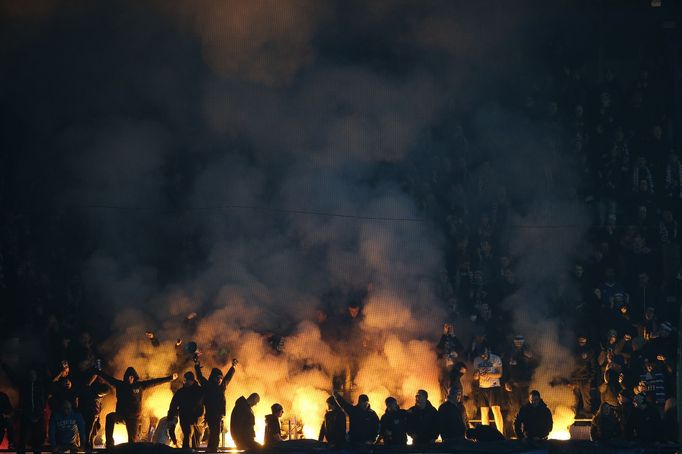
(563, 419)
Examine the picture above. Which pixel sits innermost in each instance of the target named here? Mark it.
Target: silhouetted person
(242, 423)
(62, 390)
(448, 349)
(605, 424)
(452, 416)
(129, 393)
(91, 406)
(393, 424)
(645, 422)
(534, 420)
(32, 403)
(584, 376)
(214, 400)
(273, 430)
(422, 423)
(333, 428)
(364, 422)
(187, 406)
(66, 428)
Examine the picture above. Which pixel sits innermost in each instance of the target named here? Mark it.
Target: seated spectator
(534, 421)
(67, 428)
(273, 430)
(452, 417)
(605, 424)
(645, 423)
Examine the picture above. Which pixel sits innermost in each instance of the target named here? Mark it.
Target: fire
(563, 419)
(120, 434)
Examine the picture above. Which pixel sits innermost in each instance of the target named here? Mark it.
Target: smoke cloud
(246, 160)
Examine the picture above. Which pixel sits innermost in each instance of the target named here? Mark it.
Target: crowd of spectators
(619, 299)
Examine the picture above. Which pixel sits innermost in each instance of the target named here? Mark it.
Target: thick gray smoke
(238, 165)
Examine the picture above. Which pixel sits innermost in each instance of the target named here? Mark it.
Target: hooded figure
(214, 400)
(534, 420)
(32, 403)
(334, 425)
(242, 422)
(128, 401)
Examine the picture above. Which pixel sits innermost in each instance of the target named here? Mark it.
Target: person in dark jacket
(32, 403)
(534, 420)
(187, 406)
(645, 422)
(242, 423)
(62, 390)
(364, 422)
(422, 420)
(448, 349)
(128, 402)
(66, 428)
(91, 406)
(605, 424)
(452, 416)
(393, 424)
(273, 430)
(614, 381)
(214, 400)
(333, 428)
(6, 425)
(584, 377)
(459, 370)
(624, 411)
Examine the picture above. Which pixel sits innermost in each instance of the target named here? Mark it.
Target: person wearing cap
(364, 422)
(273, 430)
(333, 429)
(187, 406)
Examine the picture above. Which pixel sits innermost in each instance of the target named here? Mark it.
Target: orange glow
(563, 419)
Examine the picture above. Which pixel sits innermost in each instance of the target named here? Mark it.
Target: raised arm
(230, 373)
(144, 384)
(109, 379)
(200, 375)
